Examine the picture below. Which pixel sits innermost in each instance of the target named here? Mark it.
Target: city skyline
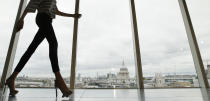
(119, 80)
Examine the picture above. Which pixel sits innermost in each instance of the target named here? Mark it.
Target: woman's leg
(53, 47)
(39, 37)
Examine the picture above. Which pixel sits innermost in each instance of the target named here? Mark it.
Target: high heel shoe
(13, 92)
(66, 93)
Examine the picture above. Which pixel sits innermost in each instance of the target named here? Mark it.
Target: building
(180, 80)
(123, 74)
(120, 79)
(159, 80)
(111, 76)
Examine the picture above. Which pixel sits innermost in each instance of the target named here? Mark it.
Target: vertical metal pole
(12, 46)
(193, 45)
(137, 54)
(74, 47)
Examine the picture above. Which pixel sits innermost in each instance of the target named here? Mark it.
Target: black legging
(44, 23)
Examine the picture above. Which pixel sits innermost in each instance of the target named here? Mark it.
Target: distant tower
(123, 63)
(208, 75)
(123, 74)
(79, 77)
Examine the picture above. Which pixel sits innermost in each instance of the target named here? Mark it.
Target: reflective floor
(38, 94)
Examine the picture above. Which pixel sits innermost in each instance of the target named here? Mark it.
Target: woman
(47, 10)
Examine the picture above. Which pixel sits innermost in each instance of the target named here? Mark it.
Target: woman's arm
(24, 14)
(31, 8)
(66, 14)
(21, 20)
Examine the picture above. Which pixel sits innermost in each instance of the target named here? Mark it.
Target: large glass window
(200, 14)
(105, 45)
(8, 14)
(105, 56)
(166, 56)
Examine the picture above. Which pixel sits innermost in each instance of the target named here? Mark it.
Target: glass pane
(105, 45)
(166, 56)
(8, 11)
(200, 14)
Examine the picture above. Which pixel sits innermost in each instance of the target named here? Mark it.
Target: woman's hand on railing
(19, 25)
(77, 15)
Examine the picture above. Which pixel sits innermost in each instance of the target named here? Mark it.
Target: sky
(105, 37)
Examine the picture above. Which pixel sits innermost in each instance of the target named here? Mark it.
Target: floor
(38, 94)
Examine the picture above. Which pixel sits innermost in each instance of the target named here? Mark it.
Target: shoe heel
(56, 92)
(56, 89)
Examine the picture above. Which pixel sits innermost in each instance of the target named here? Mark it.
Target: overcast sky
(105, 37)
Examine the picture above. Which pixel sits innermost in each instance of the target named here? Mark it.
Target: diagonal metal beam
(137, 53)
(12, 47)
(74, 47)
(193, 45)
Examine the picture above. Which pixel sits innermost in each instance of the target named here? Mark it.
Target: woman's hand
(19, 25)
(77, 15)
(67, 14)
